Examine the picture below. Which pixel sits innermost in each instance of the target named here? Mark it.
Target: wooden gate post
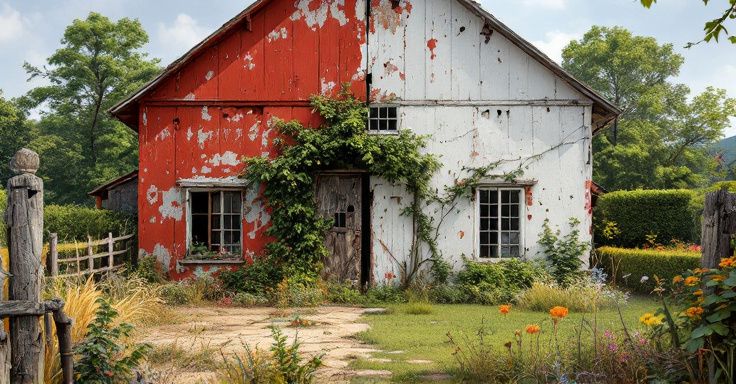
(24, 217)
(719, 222)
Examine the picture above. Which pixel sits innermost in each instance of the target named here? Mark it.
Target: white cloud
(184, 33)
(548, 4)
(11, 24)
(554, 42)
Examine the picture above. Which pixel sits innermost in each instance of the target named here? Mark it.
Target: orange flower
(677, 279)
(727, 262)
(699, 292)
(694, 312)
(692, 281)
(718, 277)
(700, 271)
(558, 313)
(504, 309)
(533, 329)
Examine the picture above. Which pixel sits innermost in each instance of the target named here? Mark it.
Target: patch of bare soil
(206, 332)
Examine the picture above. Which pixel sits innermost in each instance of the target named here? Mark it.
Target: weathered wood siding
(480, 97)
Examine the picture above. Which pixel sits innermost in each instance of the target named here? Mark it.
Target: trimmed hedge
(669, 214)
(628, 266)
(73, 222)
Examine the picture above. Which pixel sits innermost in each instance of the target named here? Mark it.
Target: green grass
(424, 337)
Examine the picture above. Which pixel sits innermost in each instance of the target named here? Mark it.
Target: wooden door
(339, 198)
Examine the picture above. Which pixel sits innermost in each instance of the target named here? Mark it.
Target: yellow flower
(558, 313)
(533, 328)
(694, 312)
(650, 320)
(700, 271)
(718, 277)
(699, 292)
(504, 309)
(692, 281)
(677, 279)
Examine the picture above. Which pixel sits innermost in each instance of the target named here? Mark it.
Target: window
(383, 119)
(500, 233)
(216, 221)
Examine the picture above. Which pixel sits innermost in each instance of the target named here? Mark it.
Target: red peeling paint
(588, 197)
(529, 195)
(461, 234)
(205, 101)
(432, 44)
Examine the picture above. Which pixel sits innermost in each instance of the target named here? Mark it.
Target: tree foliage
(713, 28)
(662, 138)
(99, 62)
(15, 132)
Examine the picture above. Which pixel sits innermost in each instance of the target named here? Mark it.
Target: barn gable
(302, 47)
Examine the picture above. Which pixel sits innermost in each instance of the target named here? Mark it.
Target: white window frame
(522, 210)
(387, 132)
(189, 192)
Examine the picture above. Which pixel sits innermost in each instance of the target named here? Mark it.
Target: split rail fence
(94, 257)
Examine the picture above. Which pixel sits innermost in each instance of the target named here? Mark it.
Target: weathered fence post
(110, 254)
(719, 222)
(24, 217)
(53, 258)
(90, 253)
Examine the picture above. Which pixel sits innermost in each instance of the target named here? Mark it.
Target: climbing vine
(342, 142)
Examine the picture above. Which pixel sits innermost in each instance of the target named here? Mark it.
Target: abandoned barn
(443, 68)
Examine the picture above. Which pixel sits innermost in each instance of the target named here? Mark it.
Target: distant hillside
(727, 148)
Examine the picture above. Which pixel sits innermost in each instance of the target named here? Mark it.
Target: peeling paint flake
(249, 62)
(432, 45)
(171, 205)
(210, 74)
(202, 137)
(227, 158)
(327, 87)
(276, 34)
(315, 17)
(206, 114)
(152, 195)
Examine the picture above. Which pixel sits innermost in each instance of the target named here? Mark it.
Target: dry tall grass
(132, 298)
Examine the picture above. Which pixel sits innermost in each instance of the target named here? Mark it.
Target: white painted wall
(480, 102)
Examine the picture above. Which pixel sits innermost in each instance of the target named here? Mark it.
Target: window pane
(505, 238)
(505, 251)
(514, 211)
(199, 202)
(374, 113)
(373, 125)
(485, 238)
(382, 125)
(515, 224)
(494, 238)
(484, 224)
(392, 111)
(505, 210)
(199, 229)
(505, 224)
(485, 251)
(485, 210)
(505, 196)
(494, 251)
(514, 251)
(215, 240)
(484, 196)
(514, 196)
(216, 196)
(494, 196)
(514, 238)
(494, 224)
(494, 210)
(236, 222)
(383, 112)
(228, 237)
(392, 125)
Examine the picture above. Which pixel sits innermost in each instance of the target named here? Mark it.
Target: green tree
(713, 28)
(15, 133)
(99, 62)
(662, 138)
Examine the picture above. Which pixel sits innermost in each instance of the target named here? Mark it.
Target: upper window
(383, 119)
(500, 222)
(216, 225)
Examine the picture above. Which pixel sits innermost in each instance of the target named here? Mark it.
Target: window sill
(233, 261)
(384, 133)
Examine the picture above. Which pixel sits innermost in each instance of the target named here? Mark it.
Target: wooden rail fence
(93, 260)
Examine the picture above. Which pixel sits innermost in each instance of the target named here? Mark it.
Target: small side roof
(104, 188)
(604, 111)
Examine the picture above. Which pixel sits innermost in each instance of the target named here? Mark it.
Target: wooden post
(719, 222)
(90, 252)
(110, 250)
(64, 335)
(53, 255)
(24, 217)
(76, 253)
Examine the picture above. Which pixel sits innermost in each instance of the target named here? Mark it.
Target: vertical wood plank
(110, 256)
(24, 217)
(90, 252)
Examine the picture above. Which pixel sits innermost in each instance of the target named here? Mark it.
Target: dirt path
(215, 329)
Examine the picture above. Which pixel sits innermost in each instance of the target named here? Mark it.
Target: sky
(30, 30)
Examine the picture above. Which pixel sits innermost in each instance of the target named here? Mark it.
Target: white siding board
(439, 66)
(465, 40)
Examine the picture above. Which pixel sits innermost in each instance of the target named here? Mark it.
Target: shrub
(344, 293)
(636, 268)
(149, 269)
(668, 214)
(447, 294)
(288, 294)
(579, 297)
(258, 278)
(285, 364)
(73, 222)
(493, 283)
(564, 254)
(385, 294)
(102, 357)
(176, 294)
(243, 299)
